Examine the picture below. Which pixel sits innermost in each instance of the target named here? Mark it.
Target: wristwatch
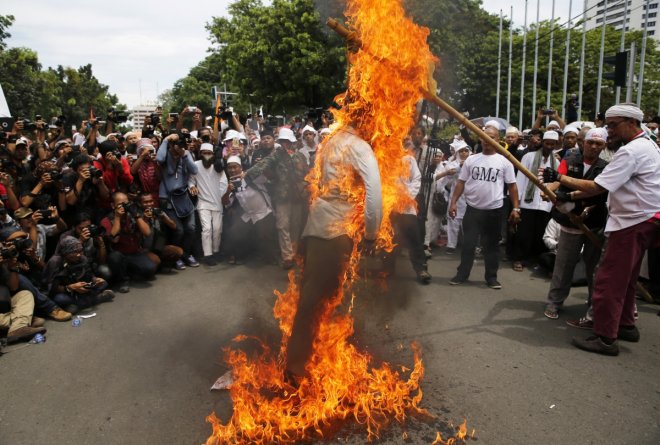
(516, 210)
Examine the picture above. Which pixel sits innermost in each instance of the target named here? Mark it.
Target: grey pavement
(140, 371)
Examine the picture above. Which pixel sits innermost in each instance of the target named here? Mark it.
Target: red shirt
(130, 241)
(114, 177)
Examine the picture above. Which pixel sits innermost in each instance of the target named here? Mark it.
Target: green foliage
(278, 56)
(5, 22)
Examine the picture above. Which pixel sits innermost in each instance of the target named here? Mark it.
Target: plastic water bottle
(38, 338)
(76, 322)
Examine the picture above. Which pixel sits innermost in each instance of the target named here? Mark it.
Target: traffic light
(620, 62)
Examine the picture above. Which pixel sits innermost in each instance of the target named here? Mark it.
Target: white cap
(513, 130)
(325, 131)
(309, 128)
(553, 124)
(206, 147)
(232, 134)
(286, 134)
(495, 124)
(596, 134)
(571, 129)
(234, 160)
(551, 135)
(459, 145)
(25, 141)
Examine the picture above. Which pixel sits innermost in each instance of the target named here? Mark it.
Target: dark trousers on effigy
(616, 277)
(325, 263)
(407, 234)
(484, 225)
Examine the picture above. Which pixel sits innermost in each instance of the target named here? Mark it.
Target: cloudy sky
(141, 47)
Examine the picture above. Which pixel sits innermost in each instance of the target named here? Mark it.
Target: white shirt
(523, 181)
(484, 177)
(343, 155)
(252, 200)
(451, 181)
(211, 185)
(413, 182)
(551, 235)
(633, 180)
(307, 152)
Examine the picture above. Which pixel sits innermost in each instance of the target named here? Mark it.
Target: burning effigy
(340, 382)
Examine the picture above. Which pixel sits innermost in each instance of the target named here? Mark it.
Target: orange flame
(343, 383)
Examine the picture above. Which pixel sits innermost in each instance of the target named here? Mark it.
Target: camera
(95, 231)
(95, 172)
(89, 286)
(225, 114)
(117, 116)
(21, 244)
(55, 175)
(157, 211)
(192, 109)
(29, 126)
(548, 112)
(130, 208)
(237, 182)
(8, 252)
(184, 138)
(155, 119)
(174, 116)
(46, 213)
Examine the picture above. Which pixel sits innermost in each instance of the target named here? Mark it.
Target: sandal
(551, 313)
(517, 266)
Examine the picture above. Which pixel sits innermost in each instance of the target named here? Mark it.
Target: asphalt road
(140, 371)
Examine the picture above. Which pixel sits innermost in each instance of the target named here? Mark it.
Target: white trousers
(211, 221)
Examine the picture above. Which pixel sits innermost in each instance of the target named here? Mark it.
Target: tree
(5, 22)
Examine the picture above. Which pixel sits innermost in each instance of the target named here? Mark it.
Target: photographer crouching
(72, 283)
(91, 237)
(125, 227)
(177, 165)
(156, 244)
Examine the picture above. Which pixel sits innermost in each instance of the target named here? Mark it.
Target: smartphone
(192, 109)
(174, 116)
(235, 143)
(549, 112)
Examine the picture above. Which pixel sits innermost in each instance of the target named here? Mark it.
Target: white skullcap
(458, 144)
(526, 131)
(598, 134)
(206, 147)
(286, 134)
(325, 131)
(553, 124)
(232, 134)
(588, 125)
(625, 110)
(571, 129)
(234, 160)
(551, 135)
(513, 130)
(309, 128)
(493, 123)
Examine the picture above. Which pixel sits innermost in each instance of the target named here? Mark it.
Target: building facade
(615, 13)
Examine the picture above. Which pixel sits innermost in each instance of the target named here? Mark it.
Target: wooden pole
(354, 43)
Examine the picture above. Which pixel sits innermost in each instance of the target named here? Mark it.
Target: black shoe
(124, 287)
(494, 284)
(104, 297)
(628, 333)
(209, 261)
(450, 251)
(596, 344)
(423, 277)
(456, 281)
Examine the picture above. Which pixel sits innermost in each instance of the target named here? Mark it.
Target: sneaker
(124, 287)
(427, 252)
(24, 334)
(628, 333)
(494, 284)
(191, 261)
(58, 314)
(582, 323)
(179, 265)
(456, 281)
(450, 251)
(423, 277)
(596, 344)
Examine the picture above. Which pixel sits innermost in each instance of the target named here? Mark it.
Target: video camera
(117, 116)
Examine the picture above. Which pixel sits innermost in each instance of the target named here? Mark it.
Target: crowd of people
(84, 214)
